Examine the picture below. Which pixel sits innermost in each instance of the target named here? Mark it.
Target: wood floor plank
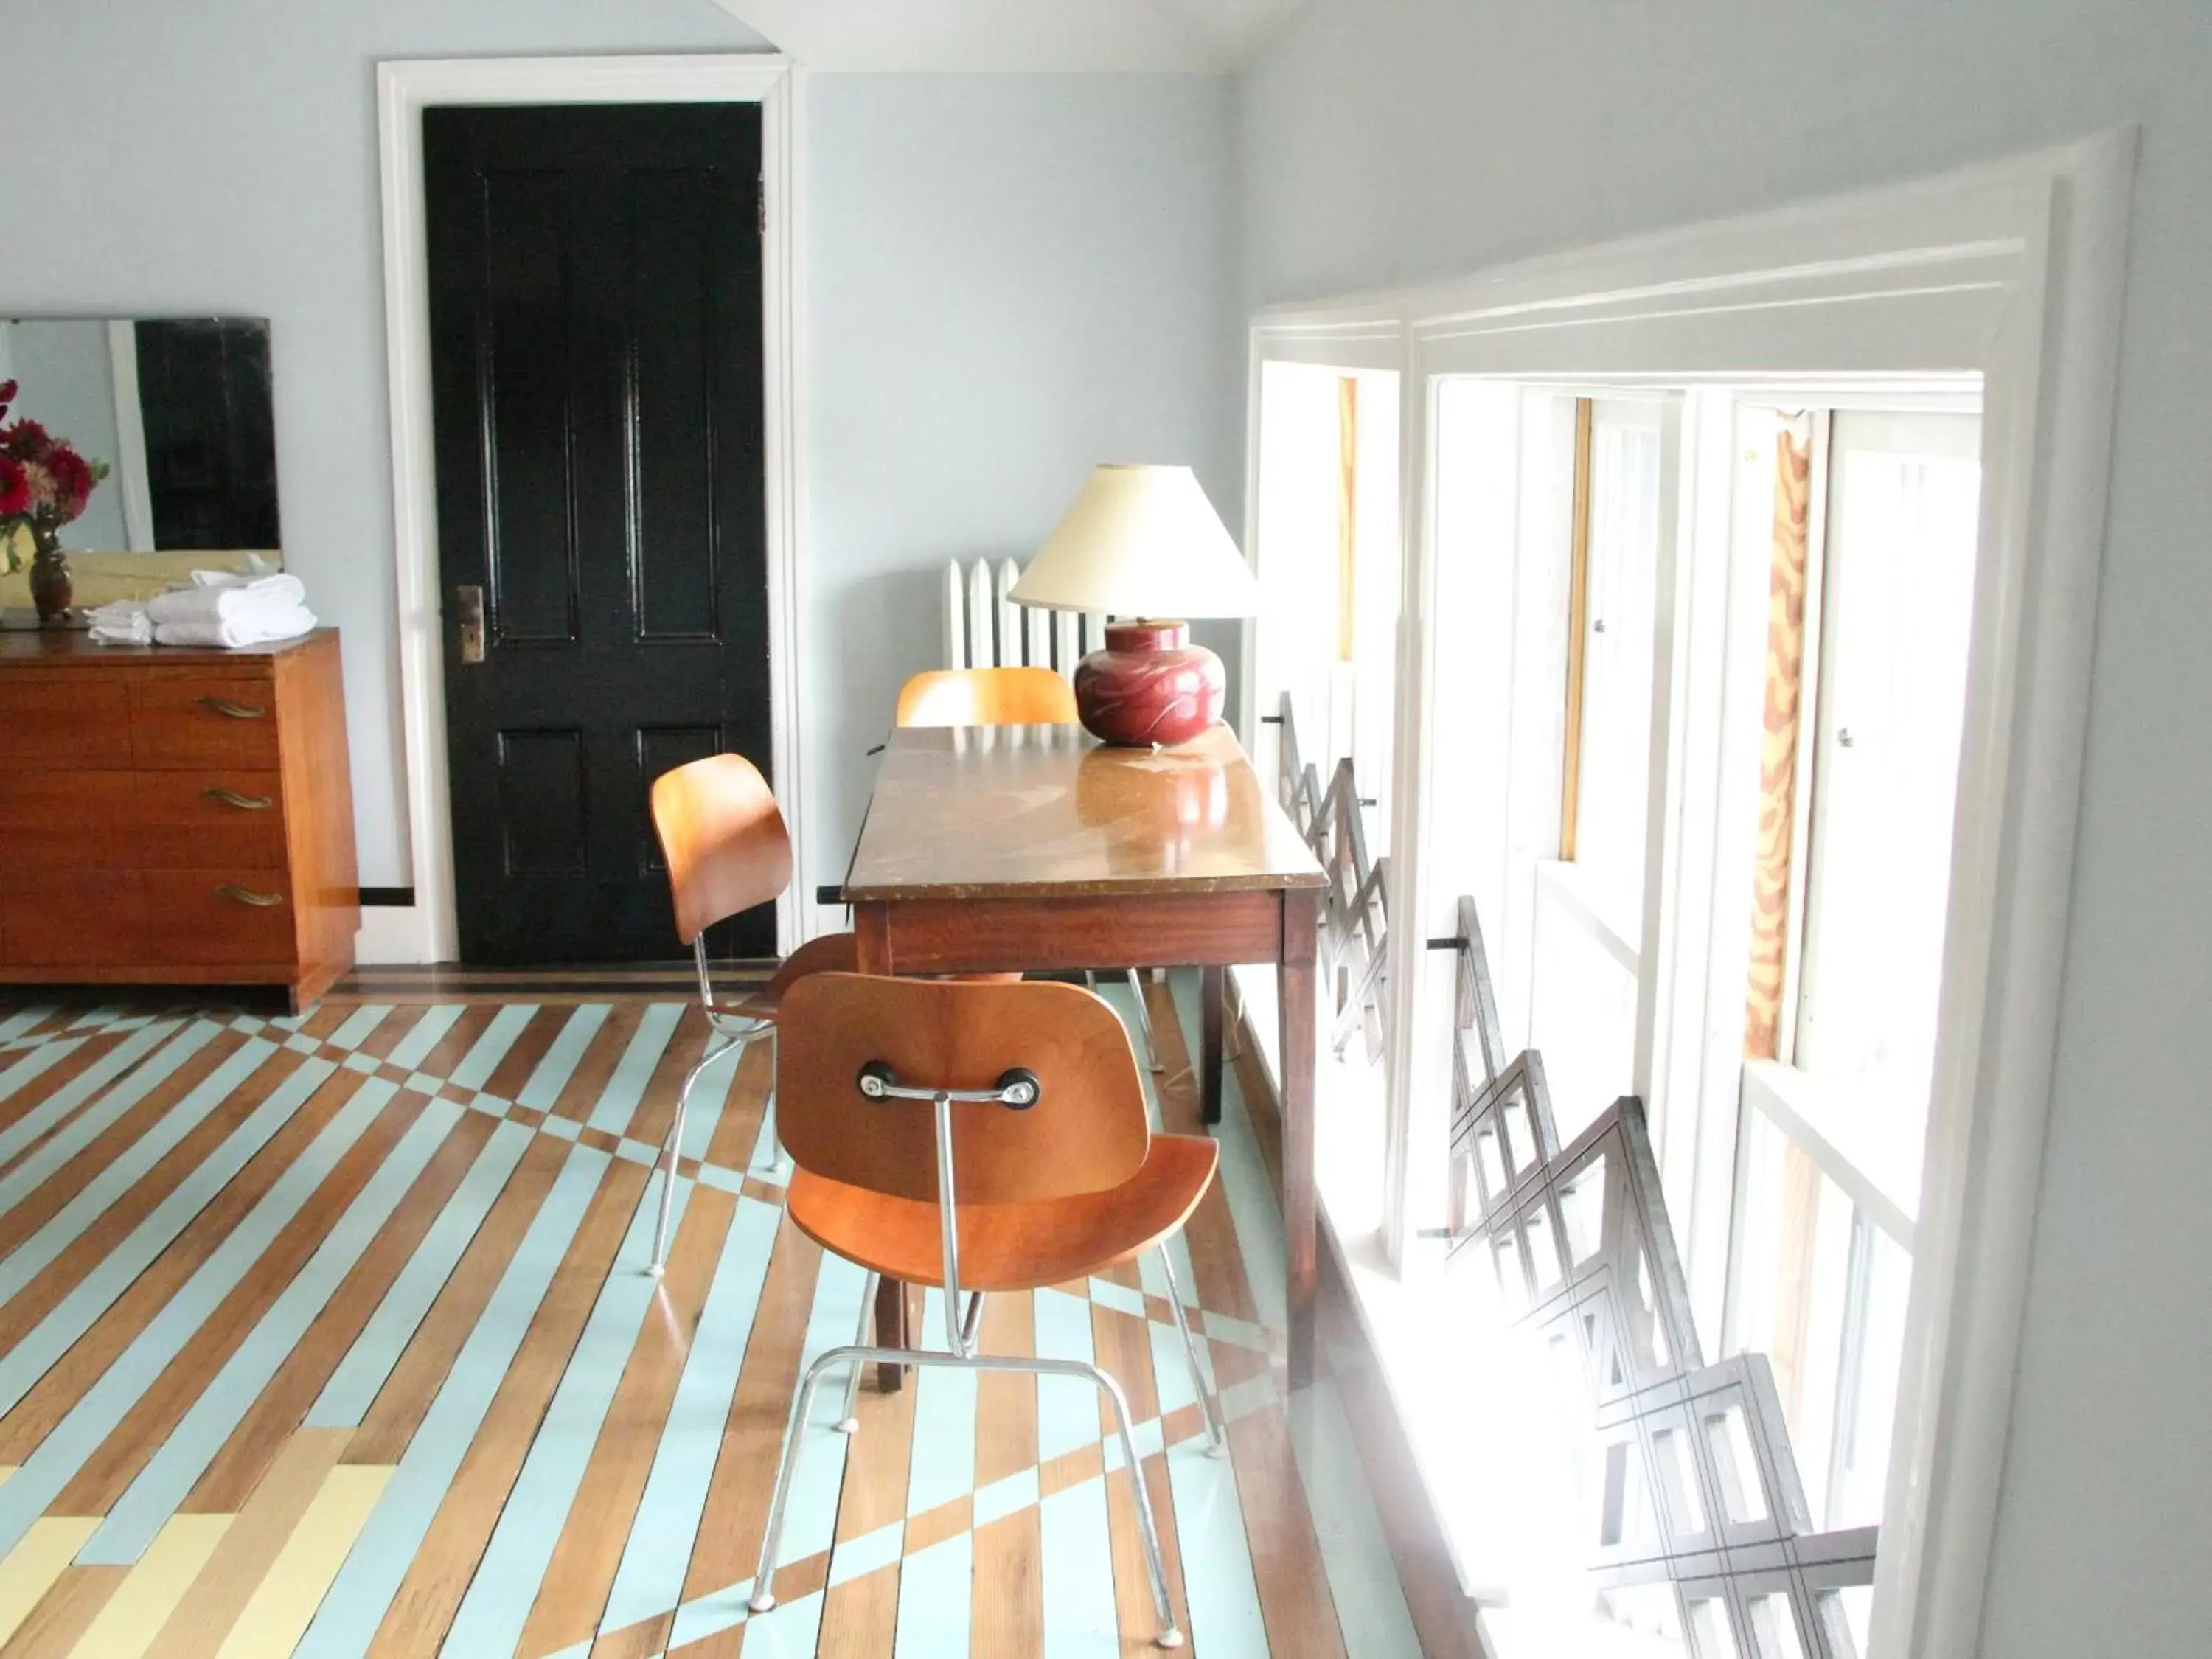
(656, 1107)
(431, 1593)
(1007, 1621)
(1215, 1257)
(250, 1546)
(739, 1128)
(1294, 1592)
(727, 1548)
(282, 1405)
(63, 1613)
(133, 1616)
(98, 1243)
(1123, 1345)
(515, 1066)
(860, 1617)
(590, 1548)
(59, 1389)
(597, 1068)
(34, 1092)
(392, 1421)
(39, 1205)
(447, 1054)
(110, 1469)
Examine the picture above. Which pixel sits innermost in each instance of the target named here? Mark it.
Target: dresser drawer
(191, 722)
(73, 917)
(70, 721)
(143, 821)
(218, 915)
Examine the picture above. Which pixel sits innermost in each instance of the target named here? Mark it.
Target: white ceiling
(1185, 35)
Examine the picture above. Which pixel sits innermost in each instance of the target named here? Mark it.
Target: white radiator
(984, 628)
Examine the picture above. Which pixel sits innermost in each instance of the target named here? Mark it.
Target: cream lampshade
(1144, 543)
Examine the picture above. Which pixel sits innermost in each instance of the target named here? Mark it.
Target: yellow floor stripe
(133, 1616)
(278, 1615)
(7, 1469)
(33, 1566)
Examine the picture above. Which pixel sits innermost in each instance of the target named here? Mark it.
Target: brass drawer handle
(247, 896)
(244, 802)
(232, 711)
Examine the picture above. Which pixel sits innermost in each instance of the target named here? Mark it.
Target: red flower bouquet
(43, 484)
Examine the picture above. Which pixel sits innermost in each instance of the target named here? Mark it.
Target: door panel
(596, 322)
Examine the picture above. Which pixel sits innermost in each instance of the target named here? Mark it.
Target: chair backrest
(1087, 1133)
(987, 696)
(726, 844)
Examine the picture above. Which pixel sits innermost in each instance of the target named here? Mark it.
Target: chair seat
(1011, 1247)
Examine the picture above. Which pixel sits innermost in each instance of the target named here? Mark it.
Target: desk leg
(872, 949)
(1211, 983)
(1298, 983)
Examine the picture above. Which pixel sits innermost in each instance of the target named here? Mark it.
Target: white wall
(1015, 278)
(1393, 140)
(220, 159)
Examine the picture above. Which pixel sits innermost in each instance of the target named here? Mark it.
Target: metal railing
(1355, 922)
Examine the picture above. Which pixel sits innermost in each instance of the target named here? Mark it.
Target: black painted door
(595, 310)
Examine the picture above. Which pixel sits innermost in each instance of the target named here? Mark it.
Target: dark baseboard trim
(394, 898)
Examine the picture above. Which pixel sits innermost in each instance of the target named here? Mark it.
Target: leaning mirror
(133, 451)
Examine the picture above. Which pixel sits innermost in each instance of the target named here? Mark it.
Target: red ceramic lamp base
(1150, 684)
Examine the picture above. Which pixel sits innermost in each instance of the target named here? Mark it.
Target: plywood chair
(987, 696)
(728, 849)
(979, 1137)
(1005, 696)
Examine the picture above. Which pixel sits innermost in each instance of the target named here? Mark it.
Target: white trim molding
(430, 931)
(2011, 273)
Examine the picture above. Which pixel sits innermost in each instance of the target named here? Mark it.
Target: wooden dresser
(175, 817)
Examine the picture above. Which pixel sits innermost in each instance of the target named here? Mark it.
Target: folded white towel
(218, 596)
(263, 627)
(126, 621)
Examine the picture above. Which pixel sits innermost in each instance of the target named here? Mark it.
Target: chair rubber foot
(850, 1425)
(1218, 1451)
(653, 1270)
(762, 1602)
(1169, 1637)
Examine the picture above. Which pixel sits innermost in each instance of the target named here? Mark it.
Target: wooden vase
(51, 591)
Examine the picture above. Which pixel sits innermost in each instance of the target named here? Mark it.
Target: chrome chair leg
(1152, 1062)
(1216, 1434)
(850, 1423)
(778, 1166)
(672, 1150)
(763, 1596)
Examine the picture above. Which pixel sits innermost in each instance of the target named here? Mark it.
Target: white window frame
(2012, 271)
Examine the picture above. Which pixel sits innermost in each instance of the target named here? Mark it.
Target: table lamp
(1144, 543)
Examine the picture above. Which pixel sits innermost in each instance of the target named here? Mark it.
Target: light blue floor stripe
(361, 1594)
(935, 1595)
(95, 1016)
(95, 1417)
(497, 1605)
(944, 1463)
(426, 1034)
(67, 1225)
(171, 1474)
(482, 1059)
(791, 1629)
(618, 1100)
(1363, 1579)
(16, 1023)
(32, 1357)
(359, 1024)
(1067, 1406)
(81, 1088)
(650, 1579)
(1080, 1622)
(81, 1131)
(560, 1059)
(35, 1061)
(1218, 1587)
(353, 1386)
(1245, 1184)
(811, 1516)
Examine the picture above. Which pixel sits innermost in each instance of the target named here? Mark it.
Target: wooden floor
(330, 1336)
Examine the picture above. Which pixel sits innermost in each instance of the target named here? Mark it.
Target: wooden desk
(993, 849)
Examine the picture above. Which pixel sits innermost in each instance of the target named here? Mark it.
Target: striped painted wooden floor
(329, 1336)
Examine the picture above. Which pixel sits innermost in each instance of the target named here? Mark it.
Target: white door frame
(2016, 271)
(430, 932)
